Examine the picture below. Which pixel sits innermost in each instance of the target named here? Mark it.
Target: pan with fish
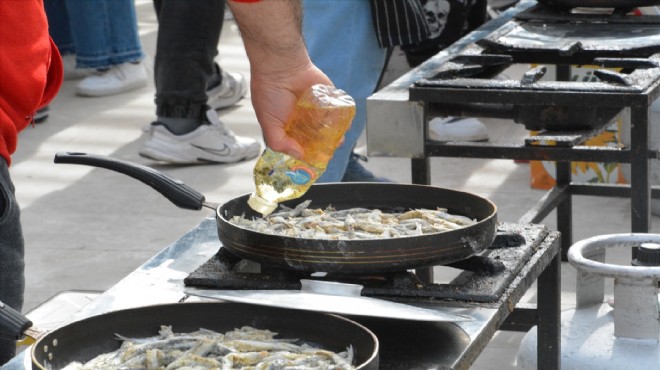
(199, 335)
(323, 238)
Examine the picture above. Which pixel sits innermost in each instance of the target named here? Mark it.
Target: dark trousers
(12, 262)
(188, 35)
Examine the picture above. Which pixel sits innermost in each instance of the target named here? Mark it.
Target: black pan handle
(175, 190)
(12, 323)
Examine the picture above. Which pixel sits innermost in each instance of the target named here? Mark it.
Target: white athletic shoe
(211, 142)
(232, 89)
(457, 129)
(117, 79)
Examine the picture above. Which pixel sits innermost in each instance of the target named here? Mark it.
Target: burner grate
(482, 278)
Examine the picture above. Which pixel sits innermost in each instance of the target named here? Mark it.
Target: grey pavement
(87, 228)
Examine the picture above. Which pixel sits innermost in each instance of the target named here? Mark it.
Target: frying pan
(85, 339)
(343, 256)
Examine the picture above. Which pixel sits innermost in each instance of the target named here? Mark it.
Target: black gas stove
(480, 278)
(469, 79)
(485, 287)
(621, 46)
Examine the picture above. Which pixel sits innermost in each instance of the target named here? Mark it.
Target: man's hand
(274, 99)
(280, 68)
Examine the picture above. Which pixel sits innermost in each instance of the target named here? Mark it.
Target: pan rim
(493, 214)
(39, 344)
(305, 254)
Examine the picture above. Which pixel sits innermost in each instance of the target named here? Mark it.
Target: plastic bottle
(318, 122)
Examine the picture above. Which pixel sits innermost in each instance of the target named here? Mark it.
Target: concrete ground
(87, 228)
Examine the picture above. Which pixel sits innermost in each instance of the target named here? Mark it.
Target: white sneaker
(117, 79)
(70, 70)
(232, 89)
(457, 129)
(211, 142)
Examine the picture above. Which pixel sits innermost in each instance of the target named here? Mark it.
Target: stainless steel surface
(395, 126)
(333, 297)
(160, 280)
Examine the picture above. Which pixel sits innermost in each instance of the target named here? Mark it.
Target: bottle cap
(261, 205)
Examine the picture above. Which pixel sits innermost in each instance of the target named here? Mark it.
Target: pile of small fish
(244, 348)
(355, 223)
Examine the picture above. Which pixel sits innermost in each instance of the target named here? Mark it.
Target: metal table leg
(639, 169)
(565, 208)
(549, 315)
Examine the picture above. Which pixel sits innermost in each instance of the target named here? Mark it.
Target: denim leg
(12, 280)
(342, 42)
(59, 27)
(187, 43)
(105, 32)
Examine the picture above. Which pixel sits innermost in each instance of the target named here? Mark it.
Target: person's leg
(223, 89)
(106, 37)
(342, 42)
(126, 46)
(188, 130)
(105, 32)
(58, 26)
(188, 36)
(60, 31)
(12, 280)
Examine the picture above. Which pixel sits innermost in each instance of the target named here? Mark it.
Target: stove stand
(488, 289)
(483, 278)
(459, 81)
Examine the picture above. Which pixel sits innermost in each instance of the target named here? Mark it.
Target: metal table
(160, 281)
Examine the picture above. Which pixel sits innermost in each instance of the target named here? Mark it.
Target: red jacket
(30, 68)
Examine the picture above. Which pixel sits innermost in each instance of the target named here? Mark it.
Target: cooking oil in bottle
(318, 122)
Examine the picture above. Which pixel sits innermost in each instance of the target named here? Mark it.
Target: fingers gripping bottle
(318, 122)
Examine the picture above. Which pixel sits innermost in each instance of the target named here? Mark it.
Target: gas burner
(589, 9)
(482, 278)
(470, 83)
(578, 36)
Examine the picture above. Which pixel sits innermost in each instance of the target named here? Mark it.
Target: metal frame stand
(568, 148)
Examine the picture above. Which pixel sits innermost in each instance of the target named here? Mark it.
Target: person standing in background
(448, 21)
(280, 67)
(190, 86)
(102, 36)
(31, 76)
(342, 42)
(350, 41)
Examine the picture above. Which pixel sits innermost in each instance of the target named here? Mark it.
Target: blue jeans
(342, 42)
(12, 280)
(101, 33)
